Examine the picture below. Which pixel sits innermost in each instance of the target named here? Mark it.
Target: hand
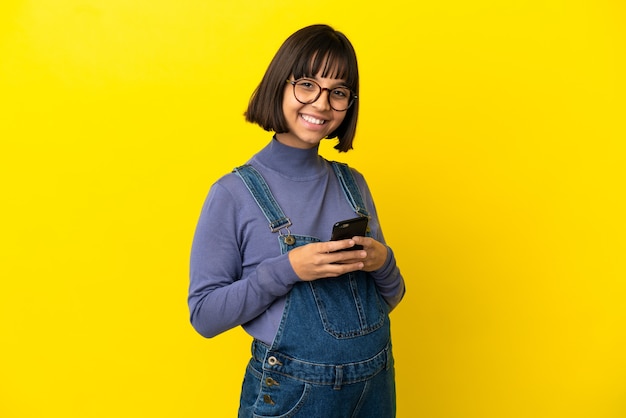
(375, 253)
(323, 259)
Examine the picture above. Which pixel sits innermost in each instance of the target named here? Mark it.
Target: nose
(322, 103)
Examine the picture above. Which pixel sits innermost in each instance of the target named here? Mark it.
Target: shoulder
(228, 187)
(229, 182)
(344, 167)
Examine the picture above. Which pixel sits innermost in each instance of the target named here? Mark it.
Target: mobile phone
(350, 228)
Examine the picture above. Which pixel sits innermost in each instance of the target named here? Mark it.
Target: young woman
(261, 258)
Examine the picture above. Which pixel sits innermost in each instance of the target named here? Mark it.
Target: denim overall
(331, 356)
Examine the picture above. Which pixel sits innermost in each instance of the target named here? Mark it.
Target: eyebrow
(341, 83)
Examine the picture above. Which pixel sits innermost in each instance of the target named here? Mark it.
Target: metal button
(268, 399)
(271, 382)
(273, 361)
(290, 240)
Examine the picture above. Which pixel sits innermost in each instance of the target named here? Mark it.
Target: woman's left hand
(376, 253)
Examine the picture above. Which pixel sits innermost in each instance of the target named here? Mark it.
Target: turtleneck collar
(293, 163)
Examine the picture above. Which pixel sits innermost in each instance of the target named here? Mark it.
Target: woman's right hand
(320, 260)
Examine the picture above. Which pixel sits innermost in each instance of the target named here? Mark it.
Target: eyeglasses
(307, 91)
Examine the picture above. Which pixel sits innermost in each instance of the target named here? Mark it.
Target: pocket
(280, 396)
(350, 305)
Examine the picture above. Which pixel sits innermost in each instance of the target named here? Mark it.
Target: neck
(289, 161)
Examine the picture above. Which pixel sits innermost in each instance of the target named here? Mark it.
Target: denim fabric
(263, 197)
(331, 356)
(277, 394)
(351, 191)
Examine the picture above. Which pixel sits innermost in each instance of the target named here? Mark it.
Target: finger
(364, 241)
(356, 257)
(337, 269)
(351, 256)
(332, 246)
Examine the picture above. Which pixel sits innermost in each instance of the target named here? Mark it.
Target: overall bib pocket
(349, 306)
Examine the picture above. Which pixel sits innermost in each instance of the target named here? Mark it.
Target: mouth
(312, 120)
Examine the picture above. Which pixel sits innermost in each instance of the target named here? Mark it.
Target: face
(308, 124)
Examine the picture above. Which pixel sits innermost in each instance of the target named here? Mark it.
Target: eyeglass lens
(308, 91)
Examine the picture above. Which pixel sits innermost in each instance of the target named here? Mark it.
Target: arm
(389, 281)
(380, 260)
(230, 282)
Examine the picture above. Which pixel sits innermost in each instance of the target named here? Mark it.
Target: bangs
(330, 61)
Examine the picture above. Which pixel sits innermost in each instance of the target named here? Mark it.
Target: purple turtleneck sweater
(238, 275)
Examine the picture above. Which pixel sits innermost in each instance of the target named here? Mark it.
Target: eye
(341, 93)
(307, 85)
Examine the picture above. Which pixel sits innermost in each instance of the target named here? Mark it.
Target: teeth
(311, 119)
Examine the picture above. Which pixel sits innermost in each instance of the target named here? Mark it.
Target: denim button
(268, 399)
(273, 361)
(271, 382)
(290, 240)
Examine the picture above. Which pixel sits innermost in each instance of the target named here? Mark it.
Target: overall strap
(263, 196)
(350, 188)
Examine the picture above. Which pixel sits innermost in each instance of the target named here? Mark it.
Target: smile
(313, 120)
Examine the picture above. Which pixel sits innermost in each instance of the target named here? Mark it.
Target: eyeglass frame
(353, 95)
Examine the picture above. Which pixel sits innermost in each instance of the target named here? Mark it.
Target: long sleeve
(389, 280)
(223, 293)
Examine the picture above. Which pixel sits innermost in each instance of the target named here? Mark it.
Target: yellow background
(492, 134)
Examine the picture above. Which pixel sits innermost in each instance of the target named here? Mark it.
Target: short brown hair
(304, 54)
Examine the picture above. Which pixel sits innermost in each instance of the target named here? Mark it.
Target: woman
(262, 259)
